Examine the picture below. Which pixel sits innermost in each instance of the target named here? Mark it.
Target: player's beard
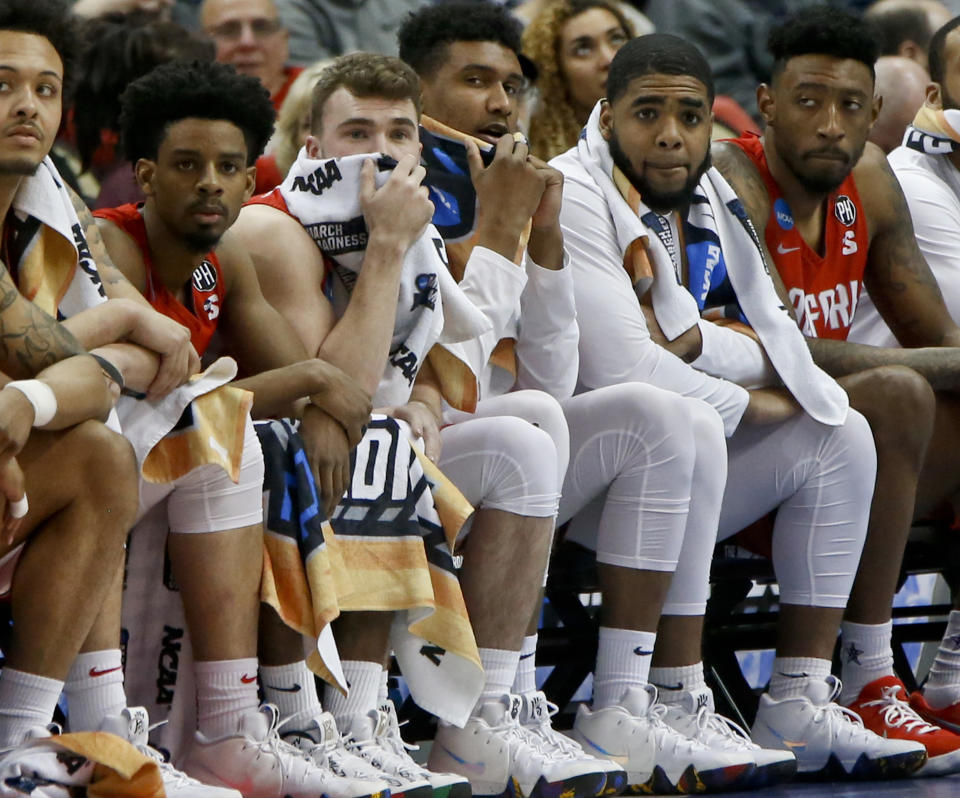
(824, 183)
(18, 167)
(660, 201)
(200, 243)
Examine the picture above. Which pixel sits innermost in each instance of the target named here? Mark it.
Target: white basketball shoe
(133, 725)
(829, 740)
(535, 715)
(256, 762)
(657, 757)
(694, 715)
(498, 756)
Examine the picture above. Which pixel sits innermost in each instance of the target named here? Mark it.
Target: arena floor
(945, 787)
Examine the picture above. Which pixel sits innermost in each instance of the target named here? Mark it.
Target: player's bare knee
(108, 474)
(900, 406)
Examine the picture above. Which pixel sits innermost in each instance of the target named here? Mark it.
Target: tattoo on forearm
(28, 336)
(109, 273)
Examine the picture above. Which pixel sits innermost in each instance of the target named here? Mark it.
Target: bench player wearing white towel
(641, 172)
(641, 452)
(74, 479)
(367, 104)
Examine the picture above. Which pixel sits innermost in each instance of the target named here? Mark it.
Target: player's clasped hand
(328, 452)
(345, 400)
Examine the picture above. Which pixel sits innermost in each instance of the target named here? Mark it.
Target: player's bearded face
(199, 180)
(820, 109)
(658, 199)
(821, 169)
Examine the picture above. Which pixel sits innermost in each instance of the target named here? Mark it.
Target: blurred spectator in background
(902, 83)
(119, 49)
(250, 36)
(906, 27)
(572, 42)
(527, 11)
(291, 131)
(98, 8)
(327, 28)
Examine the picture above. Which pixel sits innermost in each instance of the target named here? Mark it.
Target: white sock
(94, 689)
(363, 679)
(623, 660)
(865, 655)
(792, 675)
(383, 689)
(672, 683)
(500, 666)
(226, 691)
(943, 684)
(294, 692)
(526, 679)
(26, 702)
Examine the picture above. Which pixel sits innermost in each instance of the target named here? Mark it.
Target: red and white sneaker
(883, 707)
(948, 717)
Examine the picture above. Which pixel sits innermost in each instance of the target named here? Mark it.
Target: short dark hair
(823, 30)
(425, 34)
(365, 75)
(937, 53)
(118, 49)
(894, 26)
(657, 53)
(52, 19)
(193, 90)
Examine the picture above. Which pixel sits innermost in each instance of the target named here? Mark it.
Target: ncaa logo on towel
(845, 210)
(782, 211)
(205, 276)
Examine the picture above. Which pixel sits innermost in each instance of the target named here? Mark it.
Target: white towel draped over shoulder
(716, 208)
(324, 194)
(68, 284)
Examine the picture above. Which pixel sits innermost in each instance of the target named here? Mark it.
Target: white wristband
(41, 396)
(19, 508)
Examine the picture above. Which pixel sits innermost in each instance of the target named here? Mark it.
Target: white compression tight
(648, 447)
(821, 479)
(649, 466)
(501, 461)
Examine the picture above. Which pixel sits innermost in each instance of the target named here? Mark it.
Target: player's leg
(939, 700)
(900, 408)
(643, 449)
(82, 489)
(821, 479)
(508, 468)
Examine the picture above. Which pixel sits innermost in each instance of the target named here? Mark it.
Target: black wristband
(110, 370)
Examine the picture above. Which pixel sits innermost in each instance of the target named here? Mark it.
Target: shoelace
(551, 741)
(168, 773)
(514, 733)
(394, 740)
(897, 712)
(285, 754)
(726, 728)
(380, 757)
(663, 731)
(834, 713)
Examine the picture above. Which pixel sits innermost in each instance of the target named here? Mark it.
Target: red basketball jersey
(823, 290)
(205, 289)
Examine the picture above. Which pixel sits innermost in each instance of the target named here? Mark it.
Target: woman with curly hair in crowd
(572, 43)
